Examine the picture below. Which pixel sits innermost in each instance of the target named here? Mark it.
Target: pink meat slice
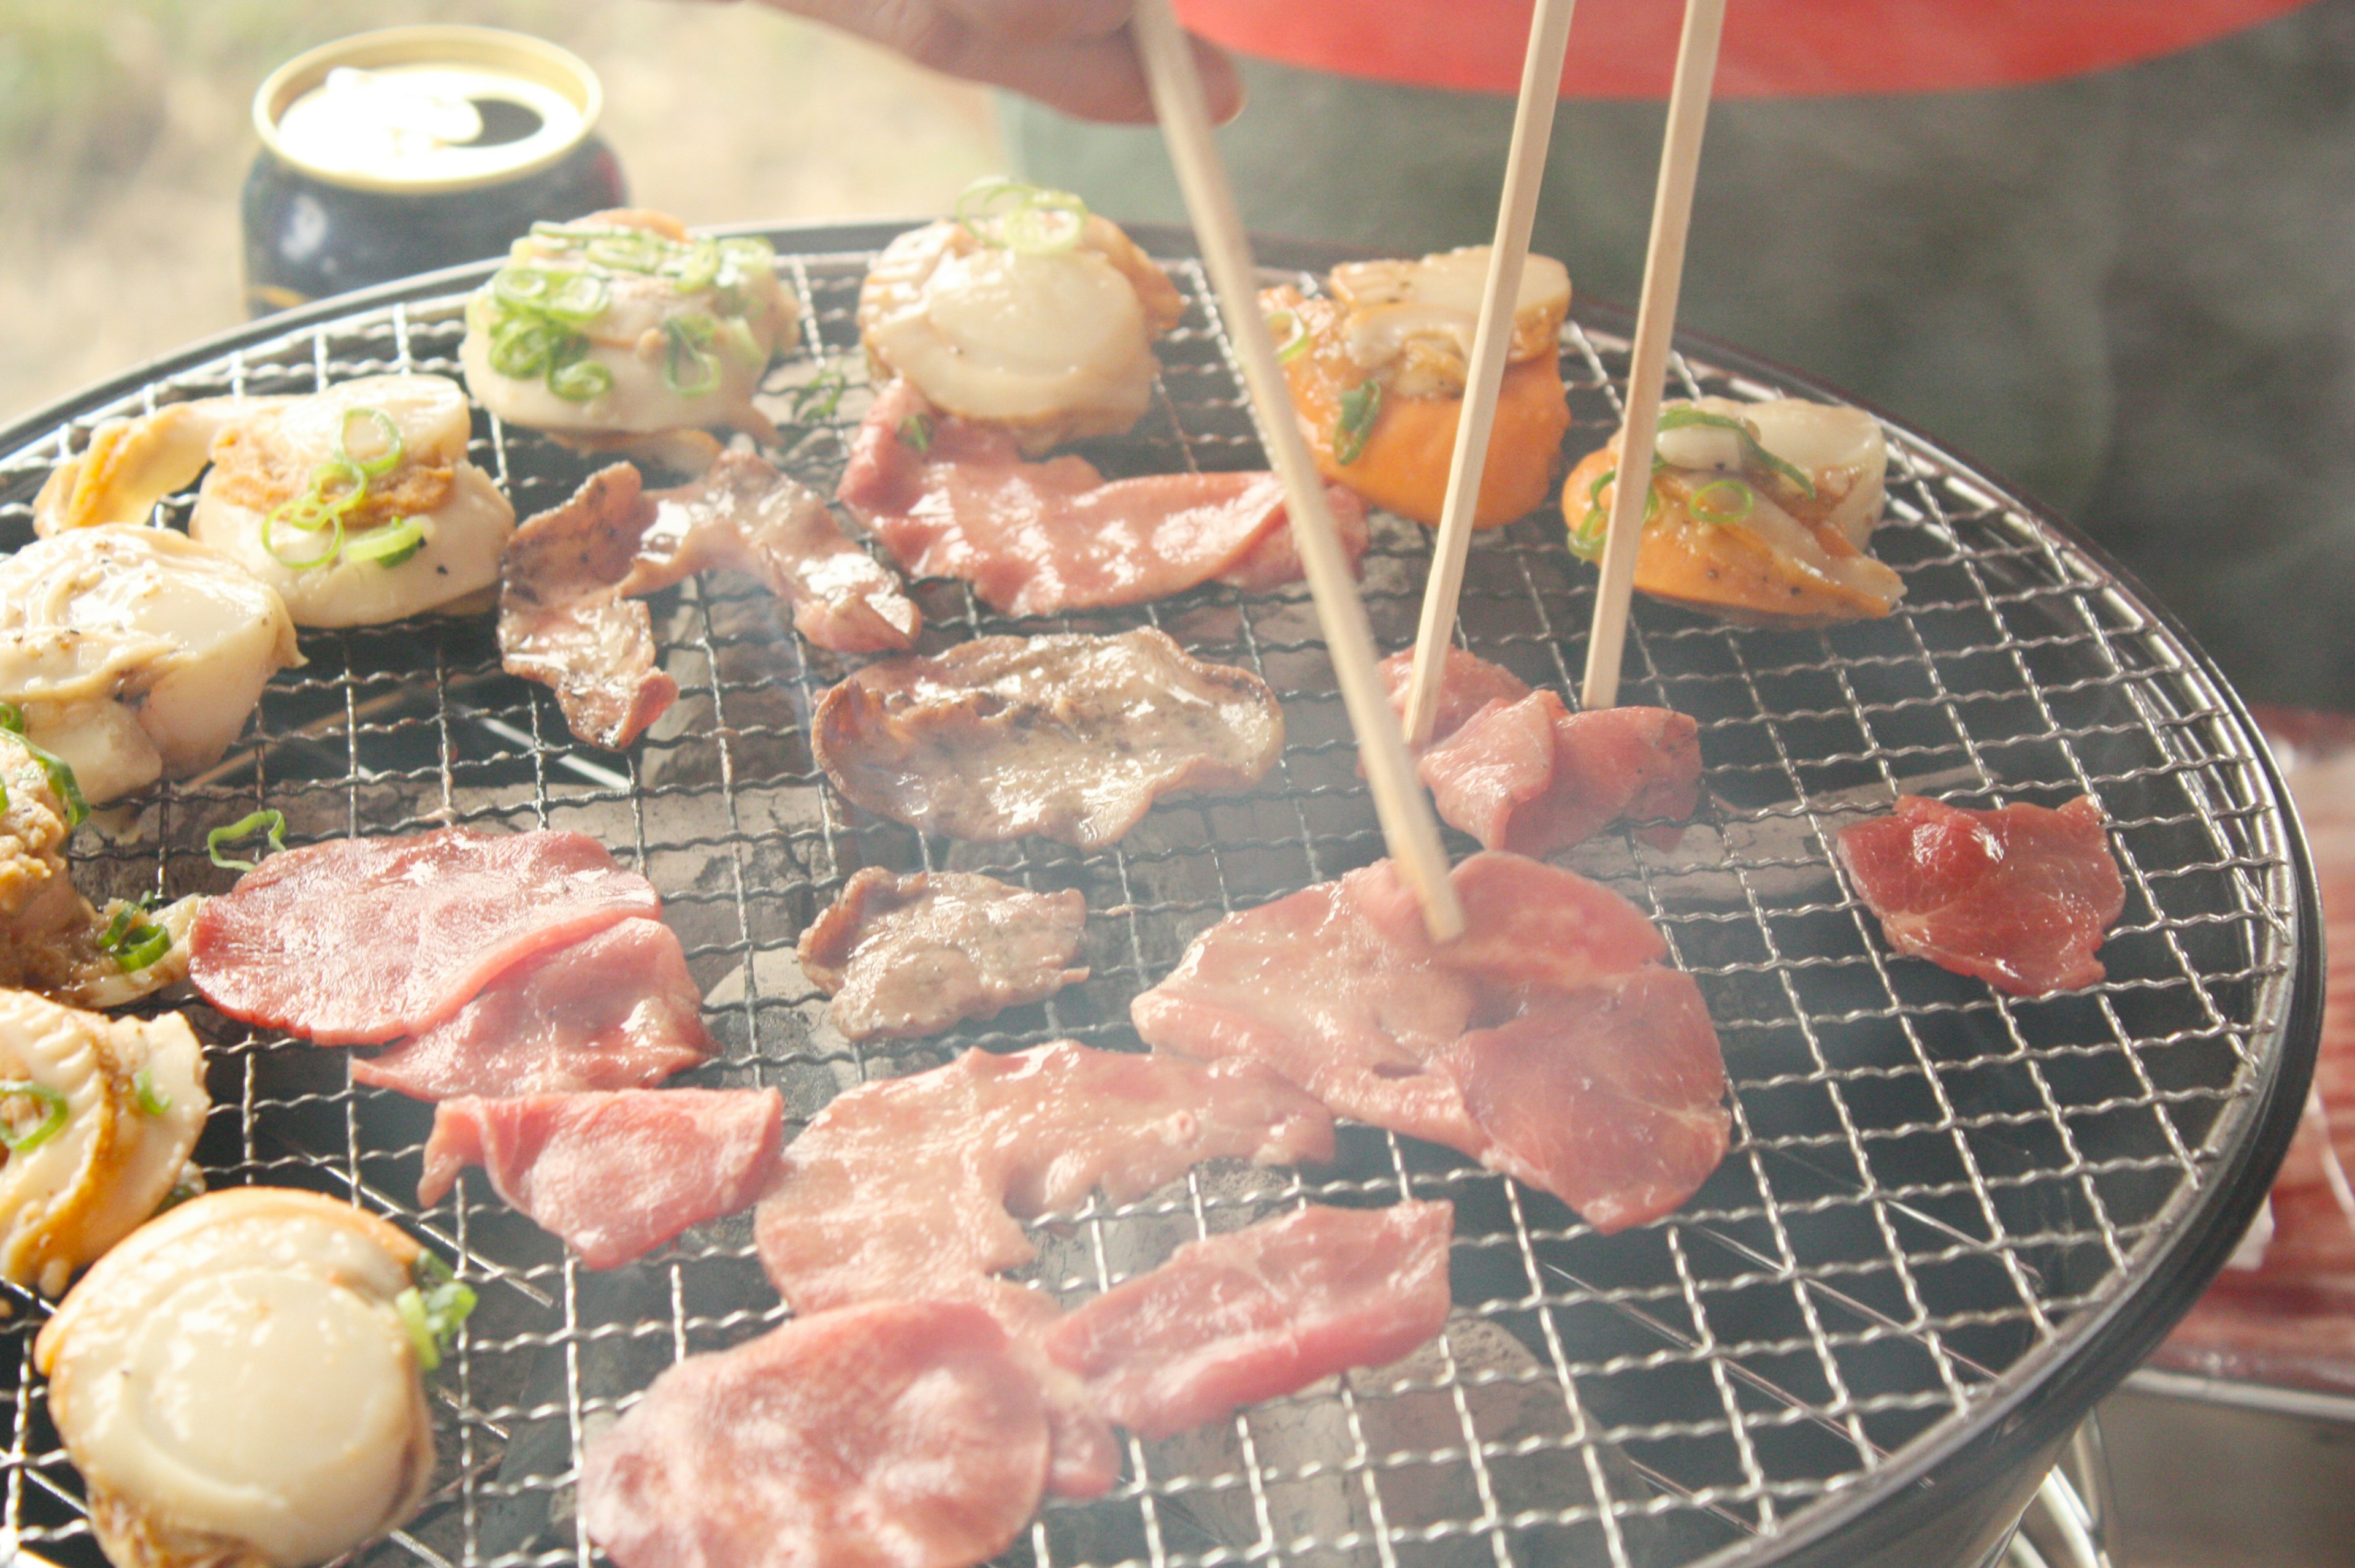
(1468, 683)
(898, 1434)
(1259, 1313)
(1609, 1097)
(358, 941)
(907, 957)
(1533, 777)
(1038, 538)
(2019, 897)
(613, 1174)
(910, 1188)
(617, 1009)
(1338, 990)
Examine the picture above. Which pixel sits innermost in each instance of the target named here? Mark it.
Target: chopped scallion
(689, 368)
(432, 1310)
(388, 545)
(916, 431)
(389, 444)
(54, 1111)
(132, 939)
(273, 821)
(1740, 499)
(151, 1101)
(60, 771)
(1361, 405)
(1753, 455)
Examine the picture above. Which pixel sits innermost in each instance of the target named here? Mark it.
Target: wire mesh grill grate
(1929, 1182)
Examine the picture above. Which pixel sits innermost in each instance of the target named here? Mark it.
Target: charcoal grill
(1950, 1221)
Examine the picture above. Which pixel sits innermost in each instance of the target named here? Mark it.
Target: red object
(1468, 683)
(1260, 1312)
(1533, 777)
(1771, 48)
(1038, 538)
(617, 1009)
(614, 1175)
(904, 1435)
(359, 940)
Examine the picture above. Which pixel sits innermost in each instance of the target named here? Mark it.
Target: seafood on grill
(1377, 371)
(909, 1189)
(623, 324)
(1253, 1313)
(135, 653)
(356, 504)
(2019, 897)
(615, 1010)
(1520, 771)
(949, 498)
(1548, 1042)
(361, 941)
(568, 616)
(98, 1115)
(896, 1435)
(1071, 737)
(1025, 311)
(51, 940)
(904, 956)
(615, 1175)
(1760, 512)
(240, 1382)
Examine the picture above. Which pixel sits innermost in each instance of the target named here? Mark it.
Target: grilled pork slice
(903, 956)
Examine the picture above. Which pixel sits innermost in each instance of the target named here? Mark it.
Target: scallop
(269, 457)
(624, 323)
(100, 1115)
(135, 652)
(236, 1384)
(1412, 322)
(1841, 450)
(131, 464)
(1054, 346)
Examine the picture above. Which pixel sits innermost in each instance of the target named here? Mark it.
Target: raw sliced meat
(1071, 737)
(1533, 777)
(358, 941)
(567, 613)
(1609, 1097)
(2019, 897)
(1259, 1313)
(1338, 990)
(1468, 683)
(614, 1010)
(1035, 539)
(903, 956)
(900, 1434)
(615, 1175)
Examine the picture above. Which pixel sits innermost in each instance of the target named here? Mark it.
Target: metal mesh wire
(1929, 1182)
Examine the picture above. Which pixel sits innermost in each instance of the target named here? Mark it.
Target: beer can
(397, 152)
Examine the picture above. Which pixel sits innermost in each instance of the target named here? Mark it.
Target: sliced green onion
(979, 202)
(1753, 454)
(1361, 405)
(521, 346)
(522, 288)
(151, 1102)
(696, 270)
(274, 821)
(819, 399)
(748, 256)
(1291, 339)
(629, 250)
(277, 519)
(581, 380)
(190, 1183)
(389, 442)
(1049, 223)
(388, 545)
(689, 368)
(432, 1310)
(916, 431)
(60, 771)
(1594, 526)
(736, 336)
(1738, 507)
(580, 299)
(133, 942)
(54, 1111)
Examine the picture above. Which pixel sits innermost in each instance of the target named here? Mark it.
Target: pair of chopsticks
(1408, 826)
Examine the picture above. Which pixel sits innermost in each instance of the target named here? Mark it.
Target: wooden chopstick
(1491, 342)
(1408, 826)
(1656, 323)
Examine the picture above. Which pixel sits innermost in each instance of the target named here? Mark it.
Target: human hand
(1073, 55)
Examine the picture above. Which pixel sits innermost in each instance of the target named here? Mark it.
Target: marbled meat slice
(1610, 1097)
(899, 1434)
(903, 956)
(1468, 683)
(613, 1174)
(1071, 737)
(1035, 539)
(2019, 897)
(1258, 1312)
(1338, 990)
(617, 1009)
(1533, 777)
(358, 941)
(568, 615)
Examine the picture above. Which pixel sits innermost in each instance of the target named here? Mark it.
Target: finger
(1044, 21)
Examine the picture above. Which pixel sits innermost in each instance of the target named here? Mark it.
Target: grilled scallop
(135, 652)
(1035, 316)
(1761, 511)
(98, 1115)
(237, 1387)
(625, 325)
